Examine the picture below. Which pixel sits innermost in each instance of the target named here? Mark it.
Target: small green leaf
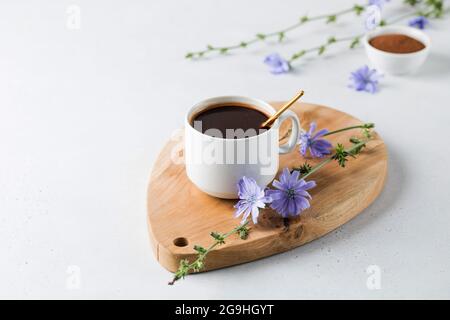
(261, 36)
(215, 235)
(243, 232)
(198, 265)
(304, 19)
(435, 8)
(189, 55)
(382, 23)
(183, 270)
(357, 150)
(358, 9)
(354, 43)
(355, 140)
(280, 36)
(218, 237)
(367, 133)
(331, 19)
(243, 44)
(298, 55)
(200, 249)
(331, 40)
(412, 2)
(321, 50)
(210, 47)
(223, 50)
(303, 169)
(341, 155)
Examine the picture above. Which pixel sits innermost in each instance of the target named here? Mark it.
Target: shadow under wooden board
(181, 216)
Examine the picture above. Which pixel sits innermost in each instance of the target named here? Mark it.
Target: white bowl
(397, 63)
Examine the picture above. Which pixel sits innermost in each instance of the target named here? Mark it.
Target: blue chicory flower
(291, 198)
(277, 64)
(378, 3)
(252, 198)
(365, 79)
(318, 148)
(372, 17)
(419, 22)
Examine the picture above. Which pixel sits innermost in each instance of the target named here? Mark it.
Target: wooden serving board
(180, 215)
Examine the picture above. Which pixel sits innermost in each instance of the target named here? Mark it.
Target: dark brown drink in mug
(231, 120)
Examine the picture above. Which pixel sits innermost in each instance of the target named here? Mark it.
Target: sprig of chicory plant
(289, 198)
(219, 239)
(278, 34)
(423, 10)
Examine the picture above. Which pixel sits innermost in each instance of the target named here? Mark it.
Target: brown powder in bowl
(396, 43)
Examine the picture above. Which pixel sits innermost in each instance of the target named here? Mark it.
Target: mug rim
(224, 99)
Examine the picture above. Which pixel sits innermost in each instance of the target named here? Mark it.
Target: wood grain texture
(180, 215)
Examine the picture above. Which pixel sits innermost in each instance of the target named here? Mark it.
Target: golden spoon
(272, 119)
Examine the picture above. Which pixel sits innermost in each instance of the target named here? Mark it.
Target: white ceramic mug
(215, 165)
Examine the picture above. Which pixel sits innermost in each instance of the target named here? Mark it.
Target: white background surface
(84, 113)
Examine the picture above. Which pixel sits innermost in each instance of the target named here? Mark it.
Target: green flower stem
(428, 8)
(317, 167)
(321, 48)
(280, 34)
(363, 126)
(355, 147)
(185, 268)
(433, 13)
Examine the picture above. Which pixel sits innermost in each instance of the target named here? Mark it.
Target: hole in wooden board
(180, 242)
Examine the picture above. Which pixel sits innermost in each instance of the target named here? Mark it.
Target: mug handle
(293, 137)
